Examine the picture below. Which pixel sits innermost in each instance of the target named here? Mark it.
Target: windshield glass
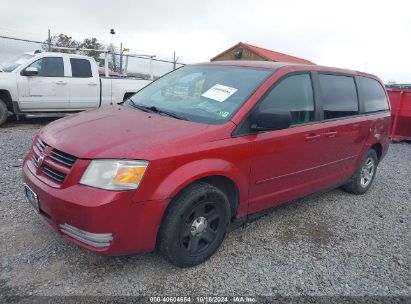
(206, 94)
(11, 65)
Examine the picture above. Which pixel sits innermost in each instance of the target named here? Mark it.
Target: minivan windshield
(14, 63)
(200, 93)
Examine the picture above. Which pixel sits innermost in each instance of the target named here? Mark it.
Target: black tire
(4, 112)
(360, 182)
(182, 239)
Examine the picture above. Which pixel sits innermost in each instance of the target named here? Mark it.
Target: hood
(7, 75)
(121, 132)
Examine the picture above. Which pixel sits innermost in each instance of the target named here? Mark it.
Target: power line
(26, 34)
(20, 39)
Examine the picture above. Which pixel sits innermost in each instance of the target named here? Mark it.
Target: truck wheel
(195, 225)
(364, 175)
(4, 112)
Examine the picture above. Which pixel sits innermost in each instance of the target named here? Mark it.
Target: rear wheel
(195, 225)
(364, 175)
(4, 112)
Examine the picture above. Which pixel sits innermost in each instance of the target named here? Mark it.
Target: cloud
(359, 35)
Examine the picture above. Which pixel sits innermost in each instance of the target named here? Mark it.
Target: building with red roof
(245, 51)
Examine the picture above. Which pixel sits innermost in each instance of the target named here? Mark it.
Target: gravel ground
(333, 244)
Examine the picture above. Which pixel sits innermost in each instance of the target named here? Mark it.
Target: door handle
(312, 137)
(60, 82)
(331, 134)
(92, 83)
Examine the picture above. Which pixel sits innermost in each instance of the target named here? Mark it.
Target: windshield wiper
(167, 113)
(153, 109)
(140, 107)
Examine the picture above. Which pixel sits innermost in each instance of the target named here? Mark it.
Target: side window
(80, 68)
(49, 66)
(339, 96)
(294, 94)
(373, 95)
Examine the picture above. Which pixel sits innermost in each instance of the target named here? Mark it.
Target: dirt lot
(334, 244)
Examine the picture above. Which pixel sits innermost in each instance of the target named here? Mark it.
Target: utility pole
(113, 58)
(126, 65)
(106, 63)
(49, 41)
(113, 55)
(151, 68)
(121, 58)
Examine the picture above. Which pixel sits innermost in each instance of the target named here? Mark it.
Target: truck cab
(55, 84)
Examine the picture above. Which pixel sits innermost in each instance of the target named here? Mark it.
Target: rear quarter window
(373, 95)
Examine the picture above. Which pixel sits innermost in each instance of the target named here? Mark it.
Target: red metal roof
(268, 54)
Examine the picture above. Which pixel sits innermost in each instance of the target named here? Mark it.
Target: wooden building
(244, 51)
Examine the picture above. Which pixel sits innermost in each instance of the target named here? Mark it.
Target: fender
(8, 88)
(188, 173)
(375, 138)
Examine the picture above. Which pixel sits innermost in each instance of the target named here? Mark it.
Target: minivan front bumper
(105, 222)
(97, 240)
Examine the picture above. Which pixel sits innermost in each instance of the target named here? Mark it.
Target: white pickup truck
(56, 84)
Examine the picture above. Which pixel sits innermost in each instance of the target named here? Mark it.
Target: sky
(372, 36)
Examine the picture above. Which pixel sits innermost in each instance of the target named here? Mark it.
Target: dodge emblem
(40, 160)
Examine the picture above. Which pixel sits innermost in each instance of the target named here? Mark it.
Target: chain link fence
(131, 64)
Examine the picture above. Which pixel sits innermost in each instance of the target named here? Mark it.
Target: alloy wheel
(367, 172)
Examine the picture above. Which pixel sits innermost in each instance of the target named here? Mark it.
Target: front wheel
(364, 175)
(195, 225)
(4, 112)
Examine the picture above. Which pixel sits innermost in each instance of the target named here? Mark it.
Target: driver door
(287, 163)
(46, 91)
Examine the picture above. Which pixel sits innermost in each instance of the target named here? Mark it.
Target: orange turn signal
(129, 175)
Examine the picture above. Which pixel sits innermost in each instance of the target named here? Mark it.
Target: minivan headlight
(114, 174)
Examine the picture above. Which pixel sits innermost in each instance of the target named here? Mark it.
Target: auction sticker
(219, 92)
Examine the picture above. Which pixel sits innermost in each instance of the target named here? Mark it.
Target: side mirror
(31, 71)
(270, 120)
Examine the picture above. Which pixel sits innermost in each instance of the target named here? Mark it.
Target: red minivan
(202, 147)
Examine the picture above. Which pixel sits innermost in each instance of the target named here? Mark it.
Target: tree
(92, 43)
(61, 40)
(64, 40)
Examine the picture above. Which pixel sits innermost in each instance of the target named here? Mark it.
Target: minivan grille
(62, 158)
(40, 145)
(54, 174)
(52, 160)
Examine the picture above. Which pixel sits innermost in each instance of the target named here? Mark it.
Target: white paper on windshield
(219, 92)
